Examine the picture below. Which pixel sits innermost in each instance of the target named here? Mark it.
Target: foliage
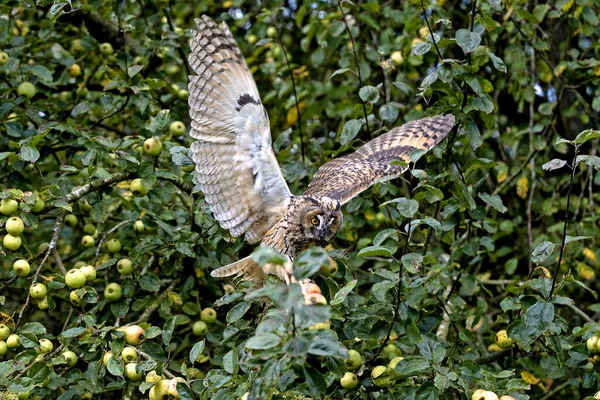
(495, 230)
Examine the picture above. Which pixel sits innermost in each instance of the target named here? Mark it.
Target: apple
(507, 397)
(38, 205)
(43, 303)
(177, 128)
(21, 268)
(139, 226)
(3, 348)
(14, 226)
(82, 92)
(138, 188)
(125, 266)
(397, 57)
(349, 380)
(310, 288)
(228, 289)
(113, 245)
(159, 391)
(391, 351)
(208, 315)
(3, 57)
(152, 147)
(200, 328)
(378, 371)
(13, 341)
(591, 344)
(321, 325)
(75, 279)
(172, 390)
(87, 241)
(106, 357)
(314, 298)
(38, 291)
(132, 373)
(11, 242)
(75, 299)
(134, 334)
(481, 394)
(4, 331)
(152, 376)
(9, 206)
(128, 354)
(271, 31)
(70, 357)
(330, 269)
(183, 94)
(106, 49)
(90, 273)
(353, 361)
(502, 340)
(113, 292)
(74, 70)
(380, 378)
(90, 229)
(26, 89)
(86, 206)
(394, 361)
(70, 220)
(46, 347)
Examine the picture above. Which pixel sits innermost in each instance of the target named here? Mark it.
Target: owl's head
(320, 219)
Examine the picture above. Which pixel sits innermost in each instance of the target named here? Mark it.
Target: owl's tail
(245, 268)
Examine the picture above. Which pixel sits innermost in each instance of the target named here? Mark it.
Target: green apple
(139, 226)
(89, 229)
(9, 206)
(14, 226)
(90, 273)
(152, 376)
(330, 269)
(183, 94)
(26, 89)
(86, 206)
(106, 49)
(321, 325)
(3, 57)
(87, 241)
(74, 70)
(271, 31)
(353, 361)
(21, 268)
(152, 147)
(11, 242)
(391, 351)
(349, 380)
(397, 57)
(208, 315)
(199, 328)
(75, 279)
(128, 354)
(46, 347)
(82, 91)
(38, 291)
(106, 357)
(4, 331)
(125, 266)
(43, 303)
(177, 128)
(481, 394)
(38, 205)
(159, 391)
(380, 377)
(70, 357)
(75, 299)
(3, 348)
(138, 188)
(590, 344)
(132, 373)
(70, 220)
(502, 340)
(134, 334)
(13, 341)
(394, 361)
(113, 292)
(113, 245)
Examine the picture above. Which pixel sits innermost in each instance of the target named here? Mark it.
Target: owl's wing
(345, 177)
(238, 171)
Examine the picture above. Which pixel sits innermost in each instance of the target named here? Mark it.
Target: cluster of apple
(593, 346)
(14, 225)
(207, 316)
(313, 295)
(481, 394)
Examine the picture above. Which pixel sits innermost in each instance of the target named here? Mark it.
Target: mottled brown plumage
(238, 172)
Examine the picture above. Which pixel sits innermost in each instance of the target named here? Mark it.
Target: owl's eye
(314, 221)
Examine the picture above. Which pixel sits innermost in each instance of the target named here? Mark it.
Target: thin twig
(431, 32)
(148, 357)
(118, 110)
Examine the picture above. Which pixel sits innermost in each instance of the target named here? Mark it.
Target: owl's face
(320, 219)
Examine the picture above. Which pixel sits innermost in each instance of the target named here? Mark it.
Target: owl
(239, 175)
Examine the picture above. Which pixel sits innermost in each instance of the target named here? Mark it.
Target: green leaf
(149, 282)
(267, 255)
(542, 252)
(158, 123)
(412, 366)
(34, 328)
(264, 341)
(383, 235)
(237, 312)
(497, 62)
(493, 200)
(389, 112)
(115, 366)
(327, 347)
(80, 109)
(168, 329)
(339, 72)
(412, 262)
(538, 318)
(73, 332)
(341, 294)
(197, 349)
(350, 130)
(375, 251)
(421, 48)
(315, 381)
(554, 164)
(592, 161)
(569, 238)
(369, 94)
(29, 153)
(230, 361)
(309, 262)
(467, 40)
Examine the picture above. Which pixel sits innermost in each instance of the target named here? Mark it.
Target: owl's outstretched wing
(343, 178)
(238, 171)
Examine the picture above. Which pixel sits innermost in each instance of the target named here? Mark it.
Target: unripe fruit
(74, 70)
(3, 57)
(87, 241)
(9, 206)
(183, 94)
(106, 357)
(4, 331)
(321, 325)
(21, 268)
(353, 361)
(378, 371)
(86, 206)
(75, 299)
(315, 298)
(132, 373)
(271, 31)
(349, 380)
(70, 357)
(329, 269)
(159, 391)
(43, 303)
(90, 273)
(90, 229)
(3, 348)
(139, 226)
(591, 344)
(391, 351)
(507, 397)
(502, 339)
(125, 266)
(11, 242)
(129, 354)
(38, 291)
(380, 378)
(484, 395)
(152, 376)
(46, 346)
(200, 328)
(13, 341)
(208, 315)
(395, 362)
(75, 279)
(14, 226)
(113, 245)
(134, 334)
(113, 292)
(177, 128)
(152, 147)
(138, 188)
(106, 49)
(26, 89)
(70, 220)
(397, 57)
(38, 205)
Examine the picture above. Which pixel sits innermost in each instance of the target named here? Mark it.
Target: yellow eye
(314, 221)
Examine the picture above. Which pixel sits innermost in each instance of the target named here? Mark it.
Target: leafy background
(502, 216)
